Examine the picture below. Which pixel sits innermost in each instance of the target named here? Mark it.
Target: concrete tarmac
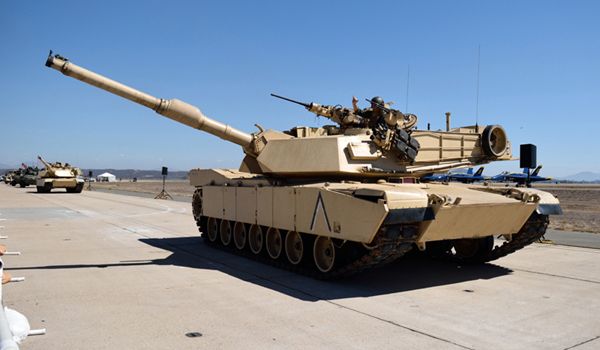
(107, 271)
(574, 239)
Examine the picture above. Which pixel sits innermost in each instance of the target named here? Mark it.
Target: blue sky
(539, 73)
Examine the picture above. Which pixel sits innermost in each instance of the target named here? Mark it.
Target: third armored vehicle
(58, 175)
(8, 176)
(332, 201)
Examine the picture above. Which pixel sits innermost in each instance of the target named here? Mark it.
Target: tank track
(385, 251)
(387, 246)
(534, 228)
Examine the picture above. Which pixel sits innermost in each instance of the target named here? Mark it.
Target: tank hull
(356, 220)
(26, 180)
(71, 184)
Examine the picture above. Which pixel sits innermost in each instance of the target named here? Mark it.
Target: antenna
(407, 87)
(477, 98)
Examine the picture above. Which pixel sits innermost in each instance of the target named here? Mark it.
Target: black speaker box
(528, 156)
(165, 170)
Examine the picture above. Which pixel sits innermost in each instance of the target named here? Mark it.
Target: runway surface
(107, 271)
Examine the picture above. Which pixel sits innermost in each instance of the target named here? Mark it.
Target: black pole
(90, 173)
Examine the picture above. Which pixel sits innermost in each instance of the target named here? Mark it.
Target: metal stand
(163, 194)
(89, 187)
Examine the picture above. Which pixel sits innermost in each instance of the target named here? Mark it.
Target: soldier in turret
(372, 116)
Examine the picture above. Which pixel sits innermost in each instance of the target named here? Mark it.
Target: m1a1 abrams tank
(332, 201)
(58, 175)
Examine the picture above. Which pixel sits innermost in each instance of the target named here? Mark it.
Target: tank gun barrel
(44, 162)
(175, 109)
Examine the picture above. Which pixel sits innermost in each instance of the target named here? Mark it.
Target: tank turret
(58, 169)
(350, 149)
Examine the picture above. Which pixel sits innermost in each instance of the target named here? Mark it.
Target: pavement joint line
(579, 246)
(128, 202)
(562, 245)
(553, 275)
(582, 343)
(267, 279)
(61, 204)
(162, 229)
(147, 195)
(399, 325)
(159, 228)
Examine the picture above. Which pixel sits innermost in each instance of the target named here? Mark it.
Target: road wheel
(239, 235)
(212, 229)
(294, 247)
(255, 239)
(225, 232)
(324, 254)
(274, 243)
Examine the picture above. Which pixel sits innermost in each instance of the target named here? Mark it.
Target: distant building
(106, 177)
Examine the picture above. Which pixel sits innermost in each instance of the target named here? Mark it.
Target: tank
(333, 201)
(59, 175)
(9, 176)
(25, 176)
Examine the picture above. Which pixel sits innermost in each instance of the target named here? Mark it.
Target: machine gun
(341, 115)
(388, 135)
(379, 105)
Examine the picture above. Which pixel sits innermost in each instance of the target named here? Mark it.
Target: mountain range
(584, 176)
